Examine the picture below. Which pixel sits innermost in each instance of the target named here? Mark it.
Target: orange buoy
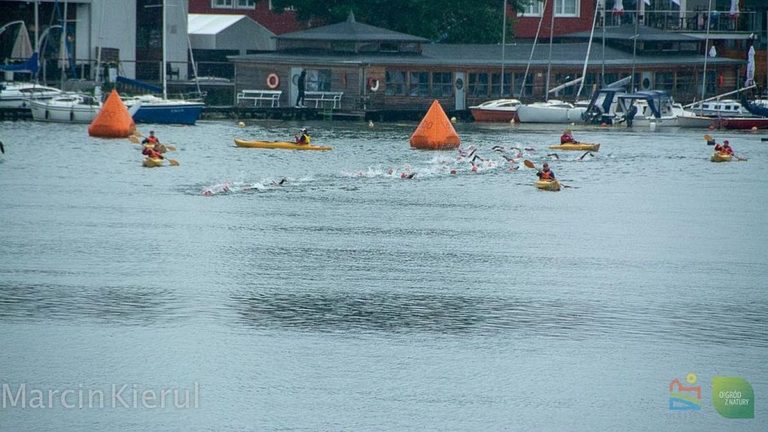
(435, 132)
(113, 121)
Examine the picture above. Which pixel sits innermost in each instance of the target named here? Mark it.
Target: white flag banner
(712, 51)
(734, 8)
(750, 67)
(618, 7)
(677, 2)
(22, 47)
(648, 2)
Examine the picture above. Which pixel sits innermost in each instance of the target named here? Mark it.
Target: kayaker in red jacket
(567, 137)
(545, 173)
(151, 139)
(726, 148)
(150, 152)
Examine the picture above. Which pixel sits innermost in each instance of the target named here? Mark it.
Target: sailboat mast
(634, 49)
(589, 49)
(602, 71)
(63, 62)
(549, 60)
(165, 45)
(706, 53)
(533, 49)
(503, 46)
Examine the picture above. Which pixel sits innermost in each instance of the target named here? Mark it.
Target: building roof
(645, 34)
(240, 32)
(210, 24)
(351, 30)
(516, 55)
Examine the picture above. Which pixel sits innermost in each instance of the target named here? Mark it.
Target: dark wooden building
(354, 66)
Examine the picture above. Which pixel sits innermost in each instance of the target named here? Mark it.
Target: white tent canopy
(229, 32)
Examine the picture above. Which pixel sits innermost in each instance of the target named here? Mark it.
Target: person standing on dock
(301, 84)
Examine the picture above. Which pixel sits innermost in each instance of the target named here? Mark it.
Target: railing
(689, 21)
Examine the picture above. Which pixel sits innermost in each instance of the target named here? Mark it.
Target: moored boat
(721, 157)
(551, 111)
(153, 109)
(20, 94)
(281, 145)
(497, 111)
(576, 146)
(548, 185)
(66, 108)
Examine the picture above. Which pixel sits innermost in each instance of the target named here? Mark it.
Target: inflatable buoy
(241, 124)
(373, 84)
(273, 81)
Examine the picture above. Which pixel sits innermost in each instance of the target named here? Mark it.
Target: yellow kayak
(152, 162)
(549, 185)
(721, 157)
(283, 145)
(577, 147)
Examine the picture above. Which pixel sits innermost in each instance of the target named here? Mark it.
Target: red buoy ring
(373, 84)
(273, 81)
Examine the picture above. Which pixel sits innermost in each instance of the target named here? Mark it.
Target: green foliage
(448, 21)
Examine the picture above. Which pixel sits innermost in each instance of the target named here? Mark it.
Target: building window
(395, 83)
(567, 8)
(478, 84)
(534, 9)
(523, 90)
(318, 80)
(442, 84)
(496, 84)
(233, 4)
(419, 84)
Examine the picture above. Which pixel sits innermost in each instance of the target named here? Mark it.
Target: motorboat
(653, 106)
(66, 108)
(498, 110)
(720, 108)
(19, 94)
(614, 105)
(551, 111)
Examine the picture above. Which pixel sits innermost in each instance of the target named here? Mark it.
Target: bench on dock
(258, 96)
(321, 97)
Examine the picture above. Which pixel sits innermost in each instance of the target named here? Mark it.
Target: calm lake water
(349, 299)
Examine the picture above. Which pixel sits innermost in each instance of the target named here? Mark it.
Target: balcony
(691, 21)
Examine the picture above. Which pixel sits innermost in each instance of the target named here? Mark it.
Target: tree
(449, 21)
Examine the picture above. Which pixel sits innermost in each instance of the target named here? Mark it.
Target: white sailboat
(554, 110)
(154, 109)
(66, 108)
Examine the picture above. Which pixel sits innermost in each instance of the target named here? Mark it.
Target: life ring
(273, 81)
(373, 84)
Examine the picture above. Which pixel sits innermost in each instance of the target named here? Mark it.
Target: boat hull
(548, 185)
(42, 111)
(185, 114)
(278, 145)
(744, 123)
(544, 114)
(493, 116)
(576, 147)
(698, 122)
(721, 157)
(152, 162)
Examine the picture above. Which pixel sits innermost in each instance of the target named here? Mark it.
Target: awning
(228, 32)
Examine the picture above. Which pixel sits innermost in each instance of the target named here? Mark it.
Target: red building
(258, 10)
(570, 16)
